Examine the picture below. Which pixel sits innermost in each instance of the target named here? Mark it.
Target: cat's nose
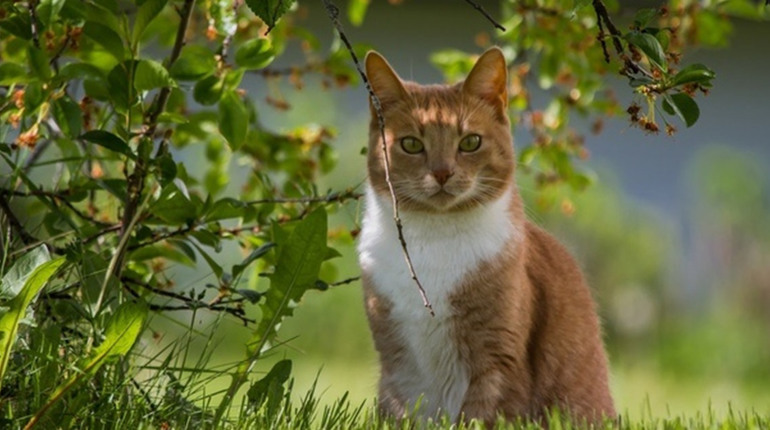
(442, 175)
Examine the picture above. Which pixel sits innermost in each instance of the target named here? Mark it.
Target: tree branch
(333, 13)
(329, 198)
(189, 303)
(25, 237)
(486, 15)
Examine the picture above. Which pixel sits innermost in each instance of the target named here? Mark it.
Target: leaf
(120, 86)
(255, 255)
(106, 37)
(48, 11)
(17, 307)
(109, 141)
(684, 106)
(255, 54)
(12, 74)
(150, 74)
(270, 11)
(123, 329)
(215, 267)
(80, 71)
(296, 270)
(38, 63)
(650, 46)
(173, 206)
(694, 73)
(194, 62)
(22, 269)
(161, 251)
(208, 90)
(225, 208)
(270, 387)
(644, 17)
(357, 11)
(68, 116)
(233, 120)
(146, 13)
(19, 25)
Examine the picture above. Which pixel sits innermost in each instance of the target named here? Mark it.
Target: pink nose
(442, 175)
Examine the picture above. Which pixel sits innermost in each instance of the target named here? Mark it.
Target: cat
(515, 330)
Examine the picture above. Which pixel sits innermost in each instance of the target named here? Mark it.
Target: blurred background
(674, 236)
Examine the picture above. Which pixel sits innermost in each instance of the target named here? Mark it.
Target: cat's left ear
(489, 78)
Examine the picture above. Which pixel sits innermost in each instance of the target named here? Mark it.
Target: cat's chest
(444, 248)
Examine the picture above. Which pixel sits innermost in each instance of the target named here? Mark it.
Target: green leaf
(357, 11)
(80, 71)
(109, 141)
(150, 74)
(146, 13)
(174, 207)
(255, 255)
(12, 74)
(270, 11)
(644, 17)
(296, 270)
(18, 25)
(255, 54)
(163, 251)
(270, 387)
(208, 90)
(119, 84)
(215, 267)
(650, 46)
(17, 307)
(225, 208)
(106, 37)
(233, 120)
(68, 116)
(123, 329)
(684, 106)
(48, 11)
(38, 63)
(694, 73)
(22, 269)
(194, 62)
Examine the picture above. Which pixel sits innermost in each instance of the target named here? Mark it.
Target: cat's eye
(470, 143)
(412, 145)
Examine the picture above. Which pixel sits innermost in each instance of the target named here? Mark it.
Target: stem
(333, 13)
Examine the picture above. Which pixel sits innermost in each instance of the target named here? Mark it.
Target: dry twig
(333, 12)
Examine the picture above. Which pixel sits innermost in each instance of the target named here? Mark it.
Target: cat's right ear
(384, 81)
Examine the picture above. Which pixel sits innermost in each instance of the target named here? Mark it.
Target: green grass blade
(124, 327)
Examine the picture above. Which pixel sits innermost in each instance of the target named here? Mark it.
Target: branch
(333, 13)
(486, 15)
(33, 21)
(189, 303)
(603, 20)
(25, 237)
(329, 198)
(165, 92)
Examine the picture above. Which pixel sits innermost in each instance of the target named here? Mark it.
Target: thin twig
(333, 13)
(25, 237)
(33, 23)
(603, 20)
(486, 15)
(329, 198)
(189, 303)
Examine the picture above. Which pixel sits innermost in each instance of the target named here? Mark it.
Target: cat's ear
(489, 78)
(385, 82)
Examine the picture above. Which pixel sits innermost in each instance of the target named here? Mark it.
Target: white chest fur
(444, 248)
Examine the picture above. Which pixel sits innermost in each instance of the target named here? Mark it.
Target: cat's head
(450, 146)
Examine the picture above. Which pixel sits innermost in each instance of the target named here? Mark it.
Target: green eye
(412, 145)
(470, 143)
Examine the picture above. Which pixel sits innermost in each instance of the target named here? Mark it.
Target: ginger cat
(516, 330)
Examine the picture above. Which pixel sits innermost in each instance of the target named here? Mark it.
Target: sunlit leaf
(255, 54)
(270, 11)
(194, 62)
(146, 13)
(233, 120)
(150, 74)
(106, 37)
(650, 46)
(694, 73)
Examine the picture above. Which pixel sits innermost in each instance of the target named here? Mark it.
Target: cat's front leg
(489, 395)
